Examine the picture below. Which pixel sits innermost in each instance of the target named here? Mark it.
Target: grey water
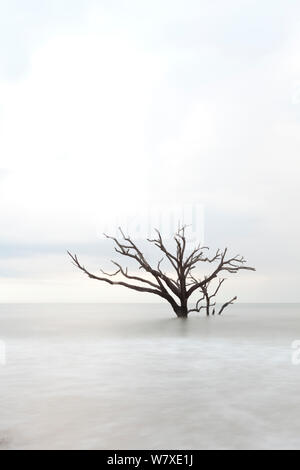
(132, 376)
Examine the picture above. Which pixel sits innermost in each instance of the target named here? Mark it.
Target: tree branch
(226, 305)
(109, 281)
(231, 265)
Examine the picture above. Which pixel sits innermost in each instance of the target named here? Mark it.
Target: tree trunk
(207, 304)
(181, 311)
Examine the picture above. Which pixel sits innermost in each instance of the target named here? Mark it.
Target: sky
(141, 114)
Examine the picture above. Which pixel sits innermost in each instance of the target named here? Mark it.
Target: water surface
(132, 376)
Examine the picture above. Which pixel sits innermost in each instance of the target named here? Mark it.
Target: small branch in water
(226, 305)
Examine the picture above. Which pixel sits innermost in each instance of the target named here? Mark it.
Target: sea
(133, 376)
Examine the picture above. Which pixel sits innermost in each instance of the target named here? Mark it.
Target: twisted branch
(175, 290)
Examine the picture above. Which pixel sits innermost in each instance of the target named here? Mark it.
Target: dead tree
(178, 288)
(205, 301)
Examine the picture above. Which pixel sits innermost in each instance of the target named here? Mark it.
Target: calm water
(134, 377)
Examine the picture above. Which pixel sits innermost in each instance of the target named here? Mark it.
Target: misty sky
(113, 109)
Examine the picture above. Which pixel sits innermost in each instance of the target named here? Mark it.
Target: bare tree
(176, 289)
(206, 302)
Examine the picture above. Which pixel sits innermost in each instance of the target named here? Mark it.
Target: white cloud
(170, 104)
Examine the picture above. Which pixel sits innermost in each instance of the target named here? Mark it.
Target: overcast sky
(113, 110)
